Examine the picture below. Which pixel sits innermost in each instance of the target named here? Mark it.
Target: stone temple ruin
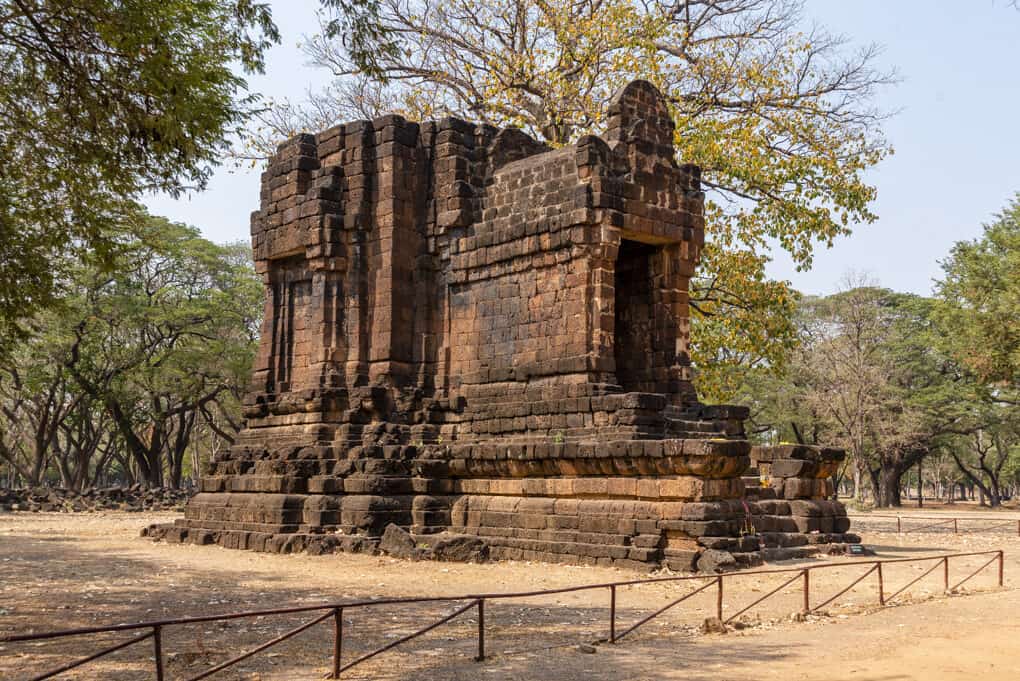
(469, 333)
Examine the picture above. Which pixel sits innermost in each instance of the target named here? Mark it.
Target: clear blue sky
(956, 136)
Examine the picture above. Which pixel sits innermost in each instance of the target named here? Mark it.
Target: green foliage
(868, 376)
(138, 358)
(980, 297)
(101, 101)
(744, 323)
(356, 24)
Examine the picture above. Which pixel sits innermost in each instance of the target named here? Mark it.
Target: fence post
(881, 585)
(1000, 566)
(807, 591)
(481, 630)
(612, 613)
(338, 638)
(718, 599)
(157, 644)
(956, 529)
(945, 574)
(898, 526)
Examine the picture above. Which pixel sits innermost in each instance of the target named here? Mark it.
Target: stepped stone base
(622, 517)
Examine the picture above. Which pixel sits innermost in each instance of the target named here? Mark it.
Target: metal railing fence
(334, 611)
(958, 524)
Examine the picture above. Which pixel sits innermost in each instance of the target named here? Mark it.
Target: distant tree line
(906, 383)
(136, 373)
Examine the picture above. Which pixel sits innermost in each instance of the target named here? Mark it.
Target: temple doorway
(632, 334)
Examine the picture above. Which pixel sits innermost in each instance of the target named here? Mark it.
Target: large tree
(778, 116)
(980, 294)
(101, 101)
(988, 452)
(979, 313)
(868, 376)
(133, 361)
(165, 340)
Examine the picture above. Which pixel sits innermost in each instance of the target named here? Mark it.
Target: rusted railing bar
(998, 523)
(612, 614)
(268, 644)
(966, 554)
(437, 599)
(782, 586)
(338, 641)
(394, 644)
(973, 574)
(915, 580)
(157, 650)
(663, 609)
(925, 527)
(1008, 523)
(94, 656)
(198, 619)
(865, 516)
(852, 585)
(729, 575)
(719, 597)
(481, 631)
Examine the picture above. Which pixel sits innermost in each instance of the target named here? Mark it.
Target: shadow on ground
(56, 582)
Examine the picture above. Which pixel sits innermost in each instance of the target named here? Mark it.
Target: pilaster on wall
(396, 242)
(448, 161)
(357, 159)
(280, 236)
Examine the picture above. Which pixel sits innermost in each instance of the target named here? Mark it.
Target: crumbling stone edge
(448, 546)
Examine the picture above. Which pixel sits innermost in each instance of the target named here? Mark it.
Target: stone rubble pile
(58, 500)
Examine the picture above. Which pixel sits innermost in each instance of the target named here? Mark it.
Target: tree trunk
(920, 485)
(858, 485)
(885, 483)
(994, 493)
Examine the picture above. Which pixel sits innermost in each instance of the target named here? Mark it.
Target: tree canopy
(135, 362)
(981, 296)
(101, 102)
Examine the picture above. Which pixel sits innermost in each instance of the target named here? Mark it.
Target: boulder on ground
(713, 625)
(461, 548)
(398, 542)
(714, 561)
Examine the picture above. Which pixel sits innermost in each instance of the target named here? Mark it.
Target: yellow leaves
(740, 320)
(778, 120)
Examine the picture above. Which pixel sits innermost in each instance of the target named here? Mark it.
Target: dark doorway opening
(632, 335)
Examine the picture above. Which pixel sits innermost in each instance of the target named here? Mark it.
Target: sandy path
(75, 570)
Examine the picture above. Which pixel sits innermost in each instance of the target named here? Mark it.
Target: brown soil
(65, 570)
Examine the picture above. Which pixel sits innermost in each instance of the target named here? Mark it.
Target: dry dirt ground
(60, 570)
